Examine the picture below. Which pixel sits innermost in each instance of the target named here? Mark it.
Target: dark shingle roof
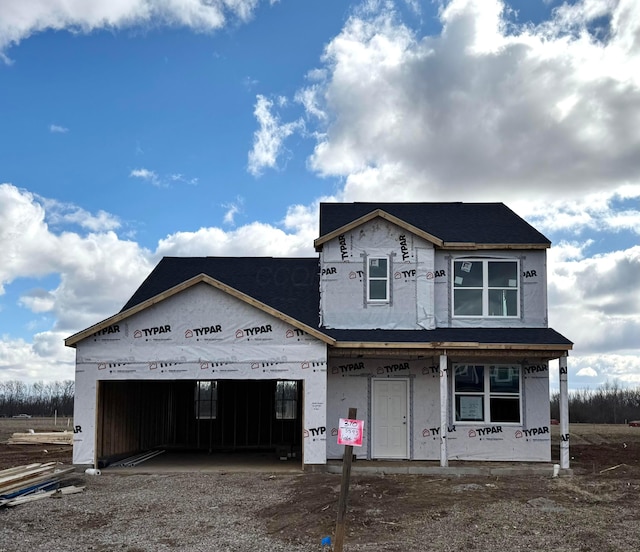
(482, 223)
(530, 336)
(289, 285)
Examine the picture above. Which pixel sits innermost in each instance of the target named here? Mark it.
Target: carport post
(564, 414)
(444, 409)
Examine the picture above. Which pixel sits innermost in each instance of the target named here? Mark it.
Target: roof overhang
(467, 246)
(201, 278)
(453, 348)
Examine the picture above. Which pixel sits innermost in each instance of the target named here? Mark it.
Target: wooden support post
(444, 411)
(564, 414)
(344, 490)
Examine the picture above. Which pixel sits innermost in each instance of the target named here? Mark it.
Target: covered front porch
(505, 418)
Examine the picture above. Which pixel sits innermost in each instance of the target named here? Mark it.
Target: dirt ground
(595, 509)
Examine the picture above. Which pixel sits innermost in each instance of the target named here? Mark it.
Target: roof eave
(467, 246)
(453, 345)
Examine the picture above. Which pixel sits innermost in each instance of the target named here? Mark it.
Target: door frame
(407, 455)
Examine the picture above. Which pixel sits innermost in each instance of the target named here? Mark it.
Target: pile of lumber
(34, 482)
(42, 438)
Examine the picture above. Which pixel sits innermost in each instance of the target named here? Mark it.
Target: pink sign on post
(350, 432)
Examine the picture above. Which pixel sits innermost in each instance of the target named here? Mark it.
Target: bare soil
(595, 509)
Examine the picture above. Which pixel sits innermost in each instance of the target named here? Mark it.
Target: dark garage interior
(199, 417)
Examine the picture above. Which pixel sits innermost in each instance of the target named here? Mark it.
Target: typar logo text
(204, 331)
(109, 330)
(251, 332)
(152, 332)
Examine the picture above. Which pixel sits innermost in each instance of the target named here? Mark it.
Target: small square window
(378, 279)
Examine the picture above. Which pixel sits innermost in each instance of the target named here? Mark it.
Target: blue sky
(138, 129)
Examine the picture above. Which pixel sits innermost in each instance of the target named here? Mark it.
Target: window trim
(485, 287)
(386, 279)
(487, 395)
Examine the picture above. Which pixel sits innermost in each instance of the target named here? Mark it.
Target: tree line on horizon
(37, 398)
(609, 403)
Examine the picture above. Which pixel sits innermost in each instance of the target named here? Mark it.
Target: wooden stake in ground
(344, 490)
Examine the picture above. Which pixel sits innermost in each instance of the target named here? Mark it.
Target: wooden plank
(69, 489)
(10, 471)
(26, 483)
(42, 438)
(29, 498)
(27, 472)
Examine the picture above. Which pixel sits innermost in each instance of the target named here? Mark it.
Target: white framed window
(286, 400)
(378, 279)
(206, 400)
(487, 394)
(486, 288)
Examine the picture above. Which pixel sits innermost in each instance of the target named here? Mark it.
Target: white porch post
(564, 414)
(444, 410)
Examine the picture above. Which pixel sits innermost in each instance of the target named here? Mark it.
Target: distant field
(21, 425)
(599, 434)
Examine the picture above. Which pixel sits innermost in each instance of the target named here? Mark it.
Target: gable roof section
(447, 225)
(287, 288)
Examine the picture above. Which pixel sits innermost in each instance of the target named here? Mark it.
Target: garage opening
(199, 416)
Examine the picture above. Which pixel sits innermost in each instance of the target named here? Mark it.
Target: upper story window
(378, 279)
(487, 394)
(483, 287)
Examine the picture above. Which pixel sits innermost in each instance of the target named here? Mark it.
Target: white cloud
(596, 211)
(153, 178)
(59, 214)
(587, 372)
(180, 178)
(57, 129)
(594, 301)
(45, 359)
(21, 19)
(232, 210)
(255, 238)
(483, 111)
(591, 371)
(148, 176)
(269, 138)
(38, 300)
(97, 272)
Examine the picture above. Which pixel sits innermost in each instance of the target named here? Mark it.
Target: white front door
(390, 423)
